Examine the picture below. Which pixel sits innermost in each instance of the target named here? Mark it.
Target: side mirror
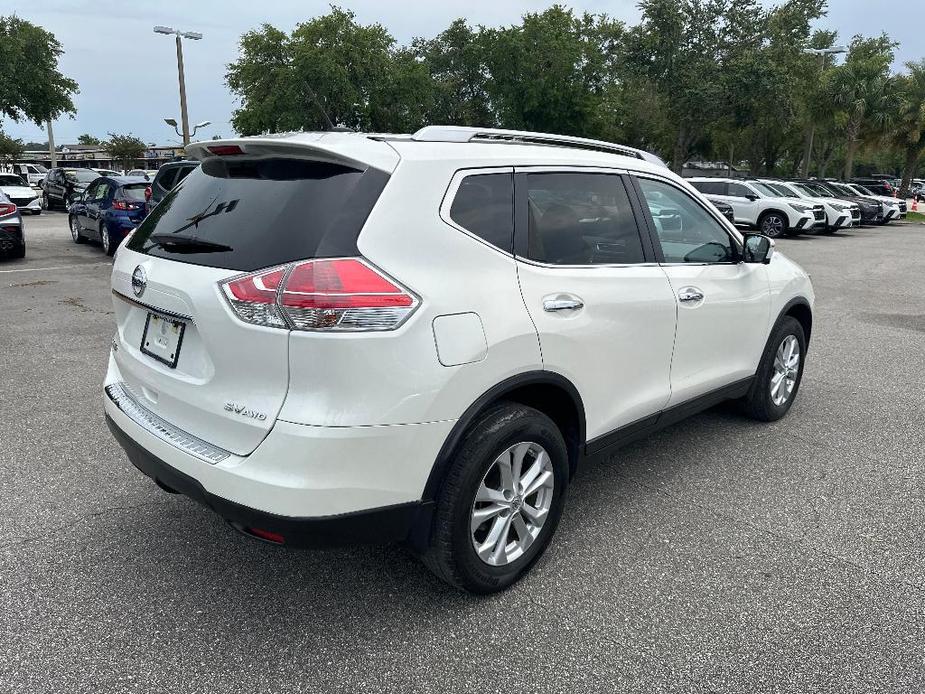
(752, 197)
(758, 248)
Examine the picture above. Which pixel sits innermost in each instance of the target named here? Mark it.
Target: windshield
(844, 190)
(862, 190)
(11, 180)
(787, 191)
(816, 190)
(81, 175)
(765, 189)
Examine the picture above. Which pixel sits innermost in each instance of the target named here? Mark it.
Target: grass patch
(915, 217)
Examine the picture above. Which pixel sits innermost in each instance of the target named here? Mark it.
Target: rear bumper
(379, 525)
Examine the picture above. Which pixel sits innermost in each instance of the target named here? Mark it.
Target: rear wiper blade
(187, 244)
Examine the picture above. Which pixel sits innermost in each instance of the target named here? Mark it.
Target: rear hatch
(132, 201)
(181, 351)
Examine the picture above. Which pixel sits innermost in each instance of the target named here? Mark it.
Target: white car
(468, 316)
(757, 207)
(107, 172)
(893, 208)
(33, 173)
(20, 193)
(839, 214)
(148, 174)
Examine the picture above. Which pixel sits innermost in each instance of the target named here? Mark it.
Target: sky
(128, 74)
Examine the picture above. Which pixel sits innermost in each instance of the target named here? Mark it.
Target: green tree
(553, 71)
(455, 60)
(329, 72)
(10, 149)
(31, 86)
(125, 149)
(862, 91)
(87, 139)
(908, 133)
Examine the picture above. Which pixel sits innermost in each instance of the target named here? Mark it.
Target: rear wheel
(779, 372)
(46, 202)
(108, 246)
(773, 224)
(501, 500)
(75, 231)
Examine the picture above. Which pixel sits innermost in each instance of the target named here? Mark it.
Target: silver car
(12, 234)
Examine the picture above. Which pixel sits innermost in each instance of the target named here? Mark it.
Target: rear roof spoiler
(347, 149)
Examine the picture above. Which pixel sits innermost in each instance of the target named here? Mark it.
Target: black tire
(46, 201)
(451, 554)
(773, 224)
(829, 230)
(76, 236)
(109, 248)
(20, 252)
(758, 403)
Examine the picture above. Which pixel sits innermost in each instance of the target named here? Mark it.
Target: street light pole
(184, 116)
(180, 35)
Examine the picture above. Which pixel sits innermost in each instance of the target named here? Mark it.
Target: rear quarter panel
(396, 377)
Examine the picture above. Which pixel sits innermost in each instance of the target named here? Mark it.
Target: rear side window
(581, 219)
(710, 187)
(244, 214)
(166, 179)
(484, 206)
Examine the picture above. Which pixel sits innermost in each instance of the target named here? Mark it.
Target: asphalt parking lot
(717, 556)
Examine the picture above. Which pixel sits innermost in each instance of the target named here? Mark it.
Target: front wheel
(774, 225)
(779, 372)
(75, 231)
(501, 501)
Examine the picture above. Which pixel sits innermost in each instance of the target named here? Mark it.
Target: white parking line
(57, 267)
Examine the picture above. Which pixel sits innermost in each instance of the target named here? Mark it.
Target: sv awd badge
(244, 411)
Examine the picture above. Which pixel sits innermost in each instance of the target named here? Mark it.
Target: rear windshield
(245, 214)
(134, 191)
(81, 175)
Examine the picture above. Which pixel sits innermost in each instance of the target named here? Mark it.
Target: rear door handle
(562, 304)
(690, 295)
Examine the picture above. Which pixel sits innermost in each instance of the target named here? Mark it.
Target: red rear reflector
(225, 150)
(267, 535)
(260, 288)
(123, 205)
(7, 208)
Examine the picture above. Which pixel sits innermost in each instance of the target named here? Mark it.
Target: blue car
(107, 210)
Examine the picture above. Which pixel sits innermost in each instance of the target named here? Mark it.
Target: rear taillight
(338, 294)
(7, 208)
(125, 205)
(147, 193)
(225, 150)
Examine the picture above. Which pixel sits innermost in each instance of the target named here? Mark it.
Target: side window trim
(522, 216)
(450, 195)
(653, 234)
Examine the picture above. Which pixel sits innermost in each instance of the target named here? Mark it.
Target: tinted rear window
(134, 191)
(484, 205)
(250, 214)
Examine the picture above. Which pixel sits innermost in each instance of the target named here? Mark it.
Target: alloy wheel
(786, 370)
(75, 230)
(105, 240)
(512, 503)
(772, 226)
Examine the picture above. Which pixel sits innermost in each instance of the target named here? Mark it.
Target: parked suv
(761, 208)
(108, 211)
(167, 177)
(871, 210)
(838, 214)
(894, 208)
(338, 337)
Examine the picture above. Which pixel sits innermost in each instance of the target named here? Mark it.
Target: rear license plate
(162, 339)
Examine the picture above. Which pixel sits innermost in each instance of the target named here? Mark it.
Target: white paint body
(354, 421)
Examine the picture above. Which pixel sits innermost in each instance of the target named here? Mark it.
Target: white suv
(338, 337)
(839, 214)
(760, 208)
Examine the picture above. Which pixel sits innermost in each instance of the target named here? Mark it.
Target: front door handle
(690, 295)
(562, 304)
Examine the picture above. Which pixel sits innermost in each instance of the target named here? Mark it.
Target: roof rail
(452, 133)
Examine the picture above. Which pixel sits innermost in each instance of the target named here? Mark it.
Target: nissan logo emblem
(139, 281)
